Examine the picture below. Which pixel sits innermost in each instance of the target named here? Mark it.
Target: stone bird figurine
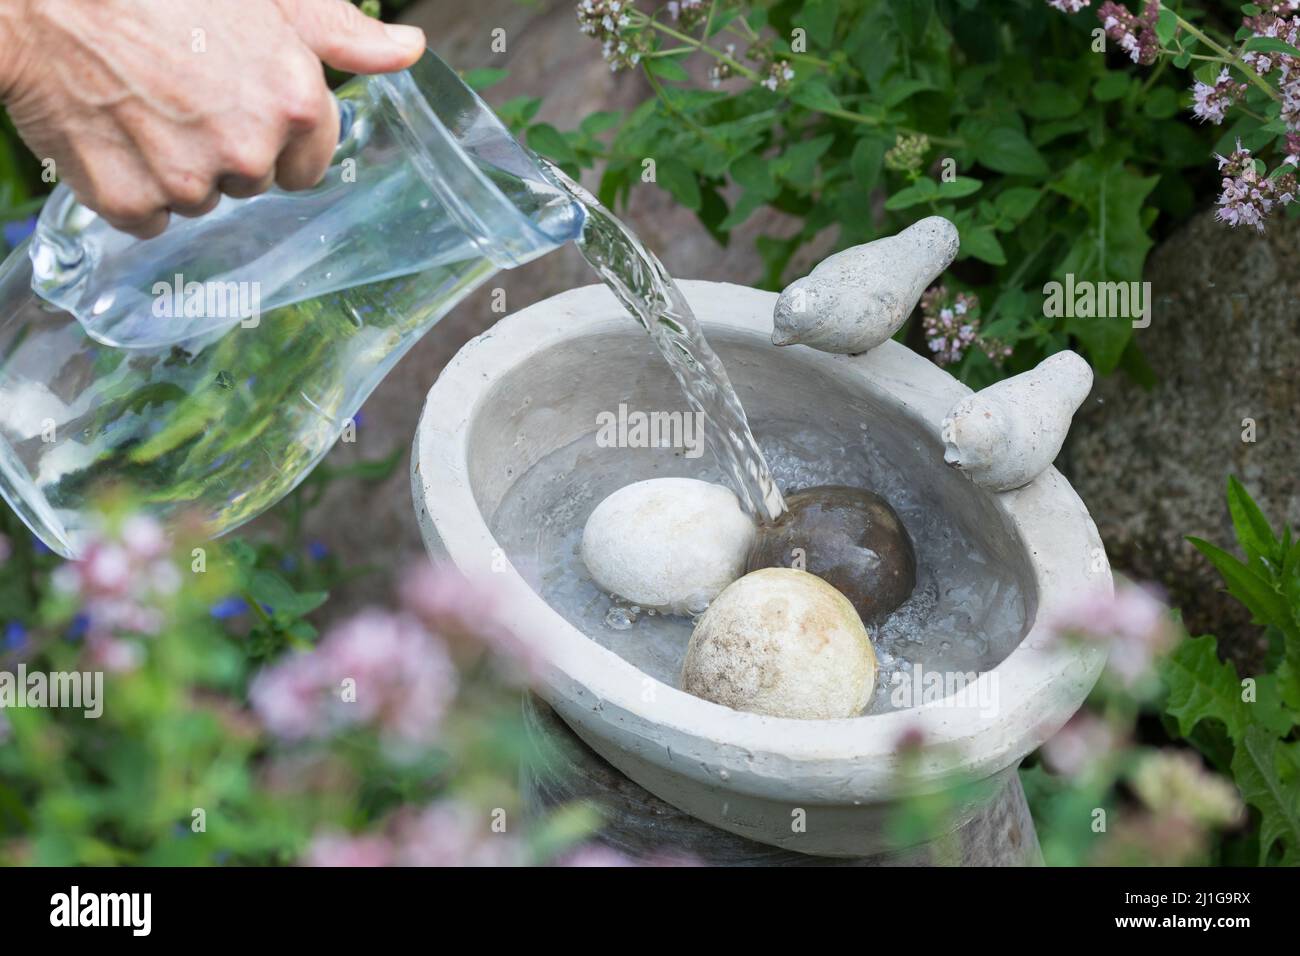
(1004, 436)
(858, 298)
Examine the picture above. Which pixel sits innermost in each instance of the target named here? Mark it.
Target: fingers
(123, 191)
(314, 136)
(346, 39)
(294, 147)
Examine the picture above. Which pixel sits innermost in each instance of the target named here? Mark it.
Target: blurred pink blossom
(452, 833)
(340, 849)
(114, 654)
(446, 833)
(466, 615)
(376, 669)
(120, 579)
(1081, 744)
(1134, 621)
(595, 855)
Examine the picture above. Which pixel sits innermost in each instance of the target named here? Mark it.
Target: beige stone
(782, 642)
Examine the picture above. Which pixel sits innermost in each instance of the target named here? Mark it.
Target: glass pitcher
(209, 369)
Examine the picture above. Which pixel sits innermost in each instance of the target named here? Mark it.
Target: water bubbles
(965, 614)
(619, 618)
(697, 606)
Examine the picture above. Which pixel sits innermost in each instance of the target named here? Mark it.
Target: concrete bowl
(535, 383)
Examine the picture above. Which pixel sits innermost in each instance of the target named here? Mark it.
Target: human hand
(149, 107)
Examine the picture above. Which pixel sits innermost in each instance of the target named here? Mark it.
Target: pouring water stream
(639, 281)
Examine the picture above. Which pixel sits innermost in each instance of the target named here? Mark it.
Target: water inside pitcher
(209, 369)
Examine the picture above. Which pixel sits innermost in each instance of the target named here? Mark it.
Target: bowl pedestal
(641, 826)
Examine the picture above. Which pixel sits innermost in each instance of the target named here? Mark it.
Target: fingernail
(403, 35)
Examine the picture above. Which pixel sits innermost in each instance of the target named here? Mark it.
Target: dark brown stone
(849, 537)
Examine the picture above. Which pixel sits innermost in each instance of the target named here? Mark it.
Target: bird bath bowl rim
(667, 739)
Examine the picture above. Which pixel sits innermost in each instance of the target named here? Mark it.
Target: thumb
(348, 40)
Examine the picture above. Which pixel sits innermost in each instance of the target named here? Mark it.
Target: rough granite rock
(1152, 466)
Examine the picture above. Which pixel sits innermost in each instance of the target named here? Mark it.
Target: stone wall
(1153, 465)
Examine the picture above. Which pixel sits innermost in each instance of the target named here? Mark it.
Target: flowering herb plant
(223, 729)
(1044, 137)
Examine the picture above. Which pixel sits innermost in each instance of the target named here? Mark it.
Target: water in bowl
(965, 615)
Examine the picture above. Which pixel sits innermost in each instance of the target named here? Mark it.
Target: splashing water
(645, 288)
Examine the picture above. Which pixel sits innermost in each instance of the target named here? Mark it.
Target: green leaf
(1201, 687)
(1266, 775)
(1051, 101)
(1271, 45)
(519, 110)
(958, 187)
(1254, 533)
(600, 121)
(1258, 595)
(818, 18)
(798, 164)
(679, 179)
(815, 95)
(1112, 246)
(1111, 87)
(273, 591)
(923, 190)
(912, 17)
(481, 79)
(1006, 150)
(982, 243)
(1166, 26)
(1017, 202)
(667, 68)
(868, 155)
(550, 142)
(1160, 103)
(899, 91)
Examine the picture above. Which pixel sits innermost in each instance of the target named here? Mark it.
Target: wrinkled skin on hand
(149, 107)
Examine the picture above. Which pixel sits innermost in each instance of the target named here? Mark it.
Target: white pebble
(667, 543)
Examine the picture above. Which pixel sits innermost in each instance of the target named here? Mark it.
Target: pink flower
(121, 580)
(114, 654)
(1136, 35)
(1134, 622)
(595, 855)
(376, 669)
(1068, 6)
(952, 324)
(144, 538)
(452, 833)
(1211, 102)
(1248, 198)
(337, 850)
(1081, 744)
(689, 12)
(465, 614)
